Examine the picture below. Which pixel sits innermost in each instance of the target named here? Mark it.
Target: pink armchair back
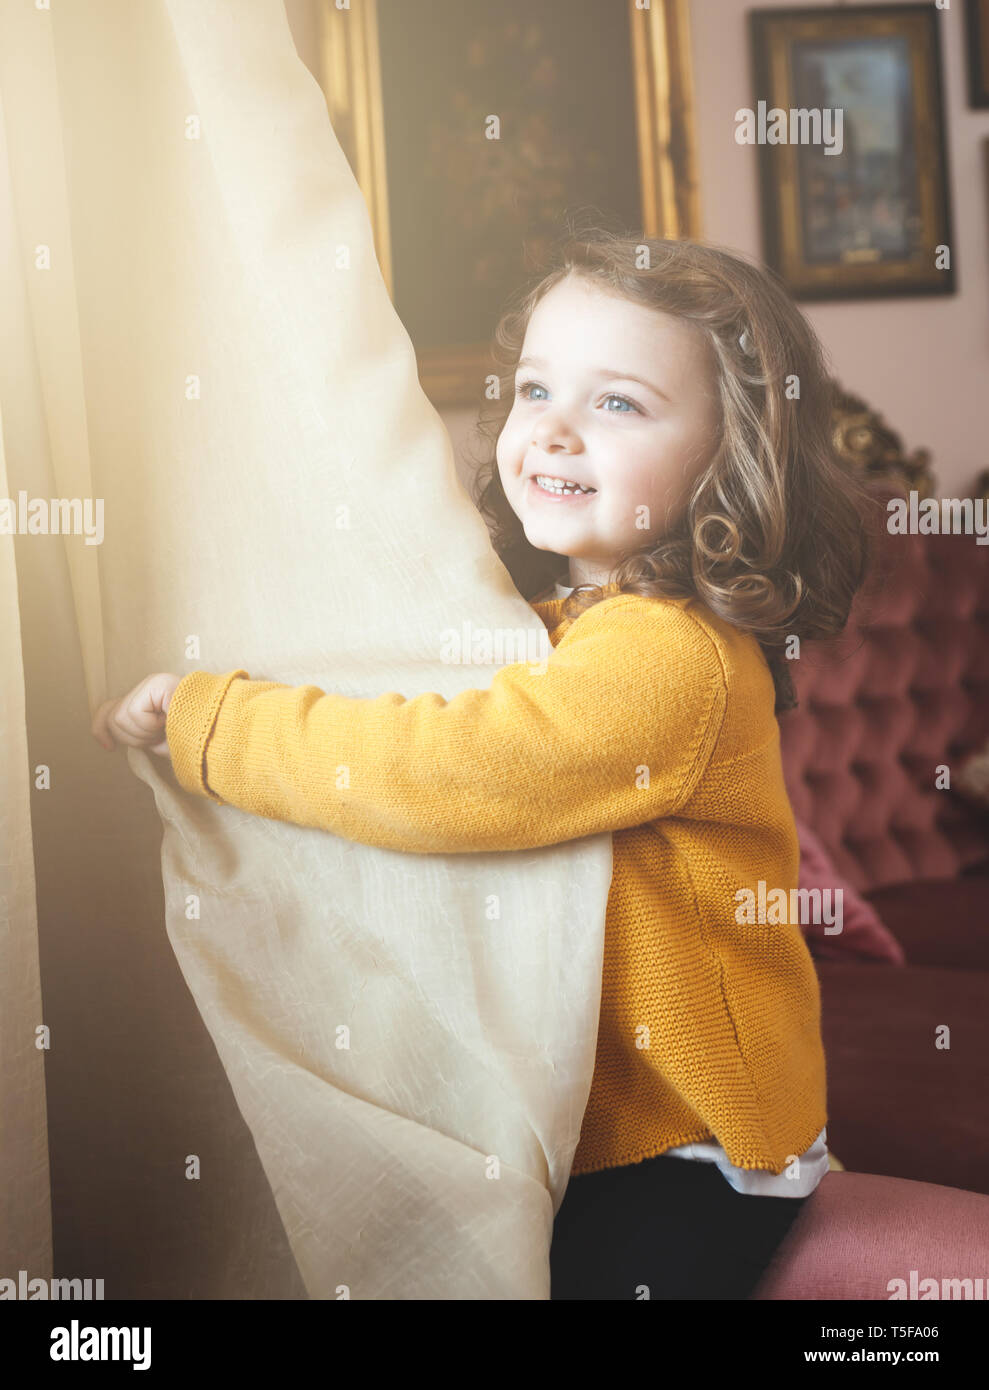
(903, 691)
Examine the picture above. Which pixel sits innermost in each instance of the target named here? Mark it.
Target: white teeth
(559, 485)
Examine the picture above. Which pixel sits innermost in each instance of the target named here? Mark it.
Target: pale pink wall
(923, 362)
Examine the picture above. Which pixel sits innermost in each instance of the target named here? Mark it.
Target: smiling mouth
(560, 487)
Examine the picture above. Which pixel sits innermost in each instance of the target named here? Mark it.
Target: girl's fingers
(139, 717)
(136, 722)
(125, 721)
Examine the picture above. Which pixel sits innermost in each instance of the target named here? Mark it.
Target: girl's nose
(553, 431)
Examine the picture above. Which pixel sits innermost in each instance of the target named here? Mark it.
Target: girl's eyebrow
(602, 372)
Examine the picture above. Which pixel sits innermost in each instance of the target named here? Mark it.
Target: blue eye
(524, 387)
(613, 396)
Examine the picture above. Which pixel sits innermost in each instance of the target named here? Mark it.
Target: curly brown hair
(775, 535)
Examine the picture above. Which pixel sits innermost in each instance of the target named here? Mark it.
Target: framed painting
(474, 130)
(852, 152)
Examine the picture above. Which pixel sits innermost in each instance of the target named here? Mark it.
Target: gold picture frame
(662, 101)
(875, 220)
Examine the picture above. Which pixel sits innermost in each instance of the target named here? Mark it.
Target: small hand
(137, 719)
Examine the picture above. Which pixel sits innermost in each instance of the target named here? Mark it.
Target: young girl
(665, 492)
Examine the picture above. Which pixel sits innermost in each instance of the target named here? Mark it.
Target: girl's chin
(547, 536)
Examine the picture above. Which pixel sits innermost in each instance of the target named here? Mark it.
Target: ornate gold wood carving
(862, 436)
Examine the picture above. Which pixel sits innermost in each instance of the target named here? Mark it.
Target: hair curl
(775, 534)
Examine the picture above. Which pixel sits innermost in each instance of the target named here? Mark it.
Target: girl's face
(614, 396)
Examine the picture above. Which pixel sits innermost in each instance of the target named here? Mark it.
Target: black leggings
(669, 1228)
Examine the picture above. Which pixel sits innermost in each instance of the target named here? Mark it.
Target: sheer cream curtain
(278, 1064)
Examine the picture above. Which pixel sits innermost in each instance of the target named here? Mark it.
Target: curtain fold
(25, 1215)
(211, 353)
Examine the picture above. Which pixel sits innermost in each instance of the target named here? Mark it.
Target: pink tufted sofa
(904, 692)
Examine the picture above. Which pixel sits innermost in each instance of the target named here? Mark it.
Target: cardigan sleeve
(614, 730)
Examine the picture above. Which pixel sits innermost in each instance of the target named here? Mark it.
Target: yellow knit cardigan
(651, 718)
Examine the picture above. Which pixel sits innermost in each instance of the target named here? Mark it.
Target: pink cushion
(862, 935)
(858, 1231)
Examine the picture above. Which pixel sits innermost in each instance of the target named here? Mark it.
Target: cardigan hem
(629, 1158)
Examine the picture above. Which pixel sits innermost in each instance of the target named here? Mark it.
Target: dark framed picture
(977, 40)
(853, 162)
(472, 152)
